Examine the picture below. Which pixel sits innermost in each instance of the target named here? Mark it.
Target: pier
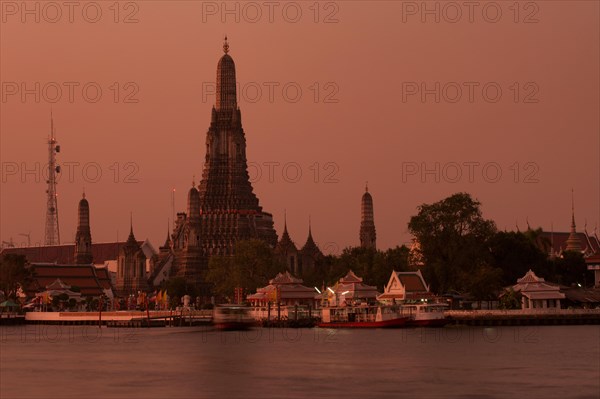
(124, 318)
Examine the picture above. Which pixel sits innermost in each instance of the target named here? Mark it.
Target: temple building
(131, 268)
(223, 208)
(536, 293)
(351, 288)
(90, 281)
(582, 242)
(299, 262)
(406, 287)
(285, 290)
(81, 266)
(83, 238)
(367, 221)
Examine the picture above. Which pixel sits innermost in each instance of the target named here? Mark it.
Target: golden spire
(225, 45)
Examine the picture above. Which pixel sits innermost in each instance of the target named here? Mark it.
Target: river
(40, 361)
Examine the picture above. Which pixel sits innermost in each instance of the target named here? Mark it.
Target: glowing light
(345, 292)
(330, 290)
(317, 290)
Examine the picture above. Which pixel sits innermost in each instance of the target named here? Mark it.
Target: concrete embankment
(524, 317)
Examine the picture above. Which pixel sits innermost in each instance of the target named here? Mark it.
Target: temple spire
(225, 46)
(367, 221)
(83, 236)
(573, 242)
(226, 83)
(131, 236)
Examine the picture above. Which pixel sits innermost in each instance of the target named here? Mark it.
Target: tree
(178, 287)
(13, 274)
(484, 283)
(453, 238)
(253, 264)
(373, 266)
(515, 253)
(510, 300)
(571, 269)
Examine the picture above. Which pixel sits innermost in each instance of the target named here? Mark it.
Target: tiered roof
(289, 287)
(406, 286)
(63, 254)
(355, 287)
(91, 280)
(534, 287)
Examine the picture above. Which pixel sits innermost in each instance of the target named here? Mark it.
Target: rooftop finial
(367, 186)
(194, 181)
(225, 45)
(131, 223)
(83, 195)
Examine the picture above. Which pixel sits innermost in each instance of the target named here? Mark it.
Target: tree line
(458, 252)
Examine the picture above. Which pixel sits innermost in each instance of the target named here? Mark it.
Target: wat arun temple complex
(223, 208)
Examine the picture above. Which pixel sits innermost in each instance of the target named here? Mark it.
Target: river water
(40, 361)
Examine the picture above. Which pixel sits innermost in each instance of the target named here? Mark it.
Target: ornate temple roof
(310, 247)
(406, 286)
(132, 246)
(285, 278)
(285, 286)
(352, 287)
(91, 280)
(350, 277)
(285, 244)
(573, 242)
(535, 287)
(530, 277)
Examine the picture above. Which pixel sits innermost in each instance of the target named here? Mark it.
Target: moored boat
(232, 317)
(426, 314)
(378, 316)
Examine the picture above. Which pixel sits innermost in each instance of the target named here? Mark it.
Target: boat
(232, 317)
(363, 316)
(426, 314)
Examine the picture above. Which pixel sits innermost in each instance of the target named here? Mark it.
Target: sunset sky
(361, 116)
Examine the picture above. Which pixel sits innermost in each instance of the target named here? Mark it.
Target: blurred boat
(232, 317)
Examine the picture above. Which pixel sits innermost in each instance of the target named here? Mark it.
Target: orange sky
(368, 61)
